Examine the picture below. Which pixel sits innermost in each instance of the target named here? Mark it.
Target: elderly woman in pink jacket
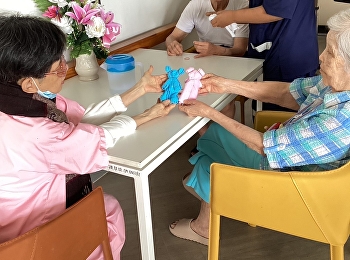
(48, 144)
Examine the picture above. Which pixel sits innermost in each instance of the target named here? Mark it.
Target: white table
(137, 155)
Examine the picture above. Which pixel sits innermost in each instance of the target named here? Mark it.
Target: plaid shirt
(318, 137)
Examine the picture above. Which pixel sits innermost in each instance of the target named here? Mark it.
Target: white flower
(60, 3)
(65, 23)
(97, 29)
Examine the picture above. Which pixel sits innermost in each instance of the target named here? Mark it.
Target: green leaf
(100, 53)
(42, 5)
(84, 48)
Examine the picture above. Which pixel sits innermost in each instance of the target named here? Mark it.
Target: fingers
(166, 102)
(214, 22)
(189, 102)
(150, 70)
(208, 75)
(209, 13)
(175, 49)
(197, 43)
(170, 53)
(203, 48)
(170, 107)
(166, 107)
(199, 56)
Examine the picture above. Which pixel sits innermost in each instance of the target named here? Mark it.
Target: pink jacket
(35, 155)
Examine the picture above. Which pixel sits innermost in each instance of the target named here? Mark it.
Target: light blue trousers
(218, 145)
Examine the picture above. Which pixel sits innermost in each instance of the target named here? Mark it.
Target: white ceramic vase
(87, 67)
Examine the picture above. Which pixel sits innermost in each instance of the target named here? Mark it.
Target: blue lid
(120, 63)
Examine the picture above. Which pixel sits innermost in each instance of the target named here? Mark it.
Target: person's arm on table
(116, 126)
(98, 113)
(207, 48)
(268, 91)
(123, 125)
(158, 110)
(173, 42)
(252, 138)
(147, 84)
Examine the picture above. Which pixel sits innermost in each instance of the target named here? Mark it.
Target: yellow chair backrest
(268, 118)
(74, 235)
(311, 205)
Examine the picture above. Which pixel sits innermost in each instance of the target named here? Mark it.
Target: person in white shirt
(212, 41)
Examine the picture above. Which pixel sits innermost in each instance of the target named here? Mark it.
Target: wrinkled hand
(153, 83)
(160, 109)
(222, 19)
(211, 83)
(203, 48)
(193, 107)
(175, 49)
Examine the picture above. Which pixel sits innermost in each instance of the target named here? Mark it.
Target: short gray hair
(340, 24)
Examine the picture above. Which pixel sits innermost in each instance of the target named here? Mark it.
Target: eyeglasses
(61, 71)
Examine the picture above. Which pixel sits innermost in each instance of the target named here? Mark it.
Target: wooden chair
(241, 99)
(309, 205)
(73, 235)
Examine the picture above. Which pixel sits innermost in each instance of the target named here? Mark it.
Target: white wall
(329, 8)
(22, 6)
(138, 16)
(135, 16)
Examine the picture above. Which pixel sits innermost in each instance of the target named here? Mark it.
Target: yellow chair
(309, 205)
(74, 235)
(267, 118)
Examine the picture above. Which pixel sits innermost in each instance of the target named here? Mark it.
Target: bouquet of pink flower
(87, 25)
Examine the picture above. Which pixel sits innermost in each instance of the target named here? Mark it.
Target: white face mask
(46, 94)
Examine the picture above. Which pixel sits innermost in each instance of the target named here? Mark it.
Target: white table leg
(144, 216)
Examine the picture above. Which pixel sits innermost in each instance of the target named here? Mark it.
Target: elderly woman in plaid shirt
(317, 138)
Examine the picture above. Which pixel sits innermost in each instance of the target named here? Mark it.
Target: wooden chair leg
(241, 100)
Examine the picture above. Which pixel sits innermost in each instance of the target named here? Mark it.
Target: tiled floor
(170, 201)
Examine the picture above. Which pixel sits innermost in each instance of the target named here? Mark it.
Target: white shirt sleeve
(186, 20)
(102, 112)
(243, 29)
(118, 126)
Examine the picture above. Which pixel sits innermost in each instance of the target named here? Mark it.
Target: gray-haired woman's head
(28, 46)
(340, 25)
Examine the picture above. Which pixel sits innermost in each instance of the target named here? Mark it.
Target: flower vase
(87, 67)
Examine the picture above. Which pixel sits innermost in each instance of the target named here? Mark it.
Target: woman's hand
(158, 110)
(193, 107)
(222, 18)
(175, 48)
(211, 83)
(203, 48)
(152, 83)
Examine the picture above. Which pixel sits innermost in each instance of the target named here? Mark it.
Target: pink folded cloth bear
(192, 84)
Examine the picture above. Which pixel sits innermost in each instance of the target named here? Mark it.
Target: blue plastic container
(120, 63)
(121, 72)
